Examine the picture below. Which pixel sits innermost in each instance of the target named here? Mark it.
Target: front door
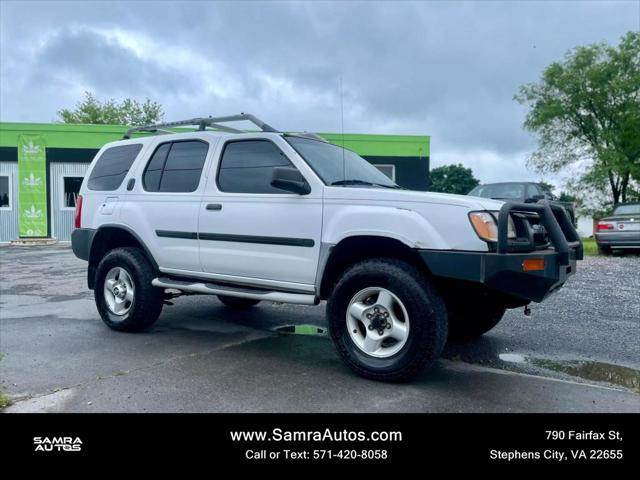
(253, 233)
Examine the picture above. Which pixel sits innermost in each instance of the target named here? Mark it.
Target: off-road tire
(471, 320)
(425, 307)
(238, 302)
(147, 302)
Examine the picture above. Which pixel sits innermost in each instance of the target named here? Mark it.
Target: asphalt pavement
(578, 352)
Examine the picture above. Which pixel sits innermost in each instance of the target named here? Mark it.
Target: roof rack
(203, 123)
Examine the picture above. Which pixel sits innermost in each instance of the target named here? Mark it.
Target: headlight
(486, 226)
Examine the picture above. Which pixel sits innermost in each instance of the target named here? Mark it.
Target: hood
(410, 196)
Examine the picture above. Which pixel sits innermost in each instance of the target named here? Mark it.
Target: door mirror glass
(289, 179)
(534, 198)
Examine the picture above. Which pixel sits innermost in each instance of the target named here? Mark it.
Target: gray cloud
(106, 66)
(447, 69)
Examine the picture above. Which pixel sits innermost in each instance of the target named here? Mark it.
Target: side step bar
(214, 289)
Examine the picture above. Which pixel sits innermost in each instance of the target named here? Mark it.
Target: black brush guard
(502, 269)
(562, 235)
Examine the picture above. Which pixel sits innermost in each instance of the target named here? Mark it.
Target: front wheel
(386, 320)
(471, 321)
(125, 298)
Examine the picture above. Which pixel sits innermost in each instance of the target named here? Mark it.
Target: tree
(546, 187)
(128, 112)
(586, 114)
(453, 179)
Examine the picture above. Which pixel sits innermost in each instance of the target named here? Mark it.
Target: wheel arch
(111, 236)
(356, 248)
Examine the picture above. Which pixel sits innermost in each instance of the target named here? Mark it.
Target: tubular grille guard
(562, 235)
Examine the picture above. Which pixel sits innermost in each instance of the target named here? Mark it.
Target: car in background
(620, 230)
(526, 192)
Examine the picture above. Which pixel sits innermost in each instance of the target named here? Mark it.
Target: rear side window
(247, 166)
(112, 166)
(175, 167)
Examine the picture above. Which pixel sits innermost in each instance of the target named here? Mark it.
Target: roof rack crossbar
(203, 123)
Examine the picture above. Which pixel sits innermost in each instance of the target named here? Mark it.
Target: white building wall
(61, 217)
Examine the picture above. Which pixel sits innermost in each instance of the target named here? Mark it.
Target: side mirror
(289, 179)
(534, 199)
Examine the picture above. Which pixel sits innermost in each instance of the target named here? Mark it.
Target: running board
(214, 289)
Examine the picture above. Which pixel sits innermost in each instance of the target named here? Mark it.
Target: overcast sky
(448, 69)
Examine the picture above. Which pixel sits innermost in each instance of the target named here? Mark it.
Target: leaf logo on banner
(30, 148)
(32, 181)
(33, 213)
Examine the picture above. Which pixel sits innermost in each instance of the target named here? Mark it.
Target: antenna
(344, 166)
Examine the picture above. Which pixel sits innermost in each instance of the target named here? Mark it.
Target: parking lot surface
(578, 352)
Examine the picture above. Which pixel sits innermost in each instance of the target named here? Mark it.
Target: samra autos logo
(57, 444)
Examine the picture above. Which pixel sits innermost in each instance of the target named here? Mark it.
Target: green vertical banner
(32, 173)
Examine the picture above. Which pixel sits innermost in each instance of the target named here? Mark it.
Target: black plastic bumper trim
(81, 239)
(503, 272)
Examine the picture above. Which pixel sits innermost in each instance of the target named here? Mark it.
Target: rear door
(253, 233)
(163, 205)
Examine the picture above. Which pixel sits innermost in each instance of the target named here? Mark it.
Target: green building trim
(65, 135)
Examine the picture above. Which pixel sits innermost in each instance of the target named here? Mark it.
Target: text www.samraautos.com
(326, 435)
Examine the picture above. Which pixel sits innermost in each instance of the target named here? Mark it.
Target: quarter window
(247, 166)
(112, 166)
(175, 167)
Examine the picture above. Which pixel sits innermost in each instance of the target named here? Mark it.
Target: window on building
(5, 192)
(247, 166)
(175, 167)
(112, 166)
(71, 191)
(388, 170)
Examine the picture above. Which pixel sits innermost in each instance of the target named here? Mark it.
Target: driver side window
(246, 166)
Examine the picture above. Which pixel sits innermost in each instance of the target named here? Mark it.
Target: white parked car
(251, 216)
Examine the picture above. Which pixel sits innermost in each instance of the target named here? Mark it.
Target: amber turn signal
(531, 264)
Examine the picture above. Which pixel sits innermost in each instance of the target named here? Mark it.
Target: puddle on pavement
(588, 370)
(301, 330)
(512, 357)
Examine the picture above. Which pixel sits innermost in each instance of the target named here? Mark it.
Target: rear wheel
(604, 250)
(125, 298)
(386, 320)
(237, 302)
(471, 321)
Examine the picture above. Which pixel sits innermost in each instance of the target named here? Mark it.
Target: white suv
(251, 216)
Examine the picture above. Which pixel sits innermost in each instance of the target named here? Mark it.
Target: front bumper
(503, 269)
(503, 272)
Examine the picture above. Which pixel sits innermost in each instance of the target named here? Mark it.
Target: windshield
(327, 161)
(499, 191)
(627, 209)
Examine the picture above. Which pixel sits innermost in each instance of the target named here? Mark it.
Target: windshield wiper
(363, 182)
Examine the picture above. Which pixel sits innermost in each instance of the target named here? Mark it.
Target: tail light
(78, 214)
(604, 226)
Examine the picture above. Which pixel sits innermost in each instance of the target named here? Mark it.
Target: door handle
(214, 206)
